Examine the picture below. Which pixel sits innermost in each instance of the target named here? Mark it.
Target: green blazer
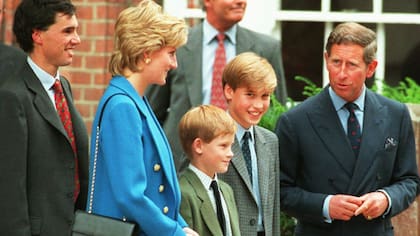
(196, 206)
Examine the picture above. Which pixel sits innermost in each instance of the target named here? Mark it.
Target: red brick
(104, 45)
(93, 94)
(81, 77)
(108, 12)
(95, 62)
(84, 12)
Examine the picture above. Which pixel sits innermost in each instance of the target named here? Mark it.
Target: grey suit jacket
(266, 145)
(317, 160)
(197, 210)
(183, 89)
(37, 170)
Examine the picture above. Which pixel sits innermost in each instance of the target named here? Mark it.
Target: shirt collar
(46, 79)
(209, 33)
(241, 131)
(338, 102)
(205, 179)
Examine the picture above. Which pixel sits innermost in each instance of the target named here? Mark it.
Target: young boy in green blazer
(206, 134)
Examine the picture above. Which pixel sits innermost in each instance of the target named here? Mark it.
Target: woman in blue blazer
(135, 176)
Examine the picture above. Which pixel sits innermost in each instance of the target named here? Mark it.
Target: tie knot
(220, 37)
(350, 107)
(57, 86)
(247, 136)
(214, 186)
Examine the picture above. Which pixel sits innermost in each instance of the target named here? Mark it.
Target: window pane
(303, 5)
(303, 48)
(352, 5)
(402, 53)
(401, 6)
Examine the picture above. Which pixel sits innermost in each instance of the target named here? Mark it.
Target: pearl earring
(147, 60)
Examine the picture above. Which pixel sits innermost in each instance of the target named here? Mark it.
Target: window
(303, 26)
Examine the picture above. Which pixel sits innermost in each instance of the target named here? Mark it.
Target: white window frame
(268, 25)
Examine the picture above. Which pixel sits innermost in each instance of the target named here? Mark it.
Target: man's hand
(343, 207)
(374, 205)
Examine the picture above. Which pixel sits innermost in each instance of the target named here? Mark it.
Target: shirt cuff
(326, 209)
(389, 202)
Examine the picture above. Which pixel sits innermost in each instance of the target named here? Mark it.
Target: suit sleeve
(404, 186)
(294, 200)
(14, 219)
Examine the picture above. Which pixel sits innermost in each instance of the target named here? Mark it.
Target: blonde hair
(206, 122)
(251, 71)
(143, 29)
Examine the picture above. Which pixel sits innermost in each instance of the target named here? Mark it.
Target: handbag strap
(95, 158)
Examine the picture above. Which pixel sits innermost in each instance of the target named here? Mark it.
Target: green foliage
(269, 119)
(310, 88)
(407, 91)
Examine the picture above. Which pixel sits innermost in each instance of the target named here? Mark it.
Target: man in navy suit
(330, 184)
(190, 84)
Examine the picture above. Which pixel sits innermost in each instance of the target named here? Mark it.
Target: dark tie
(217, 98)
(247, 153)
(353, 128)
(220, 215)
(64, 114)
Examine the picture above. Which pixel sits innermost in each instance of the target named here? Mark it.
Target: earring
(147, 60)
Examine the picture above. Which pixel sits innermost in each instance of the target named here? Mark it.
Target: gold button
(165, 210)
(156, 167)
(161, 188)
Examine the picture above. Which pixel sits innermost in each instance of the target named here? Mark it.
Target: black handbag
(89, 224)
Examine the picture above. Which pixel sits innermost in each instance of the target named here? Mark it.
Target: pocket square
(390, 143)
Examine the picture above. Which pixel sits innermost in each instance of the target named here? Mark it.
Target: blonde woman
(135, 175)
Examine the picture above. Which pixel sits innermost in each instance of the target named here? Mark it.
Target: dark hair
(37, 15)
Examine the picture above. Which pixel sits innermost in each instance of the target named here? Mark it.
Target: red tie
(217, 97)
(64, 114)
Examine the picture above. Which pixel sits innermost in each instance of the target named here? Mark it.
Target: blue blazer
(135, 174)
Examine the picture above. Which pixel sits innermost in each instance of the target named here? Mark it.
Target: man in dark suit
(190, 84)
(41, 164)
(347, 171)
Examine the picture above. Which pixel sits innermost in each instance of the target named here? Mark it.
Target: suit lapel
(326, 124)
(193, 61)
(41, 100)
(206, 207)
(239, 164)
(264, 162)
(374, 120)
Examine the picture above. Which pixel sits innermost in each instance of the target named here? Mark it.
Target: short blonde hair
(143, 29)
(206, 122)
(251, 71)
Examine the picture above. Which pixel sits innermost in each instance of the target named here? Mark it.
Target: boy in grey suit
(248, 81)
(206, 133)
